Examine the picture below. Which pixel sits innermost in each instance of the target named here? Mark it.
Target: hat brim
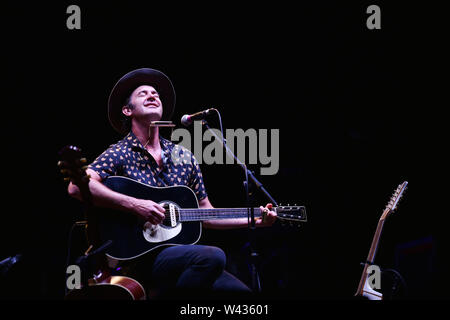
(128, 83)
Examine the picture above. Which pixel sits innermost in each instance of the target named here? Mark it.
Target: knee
(214, 256)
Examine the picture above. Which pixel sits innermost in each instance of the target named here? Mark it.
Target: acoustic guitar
(101, 285)
(132, 237)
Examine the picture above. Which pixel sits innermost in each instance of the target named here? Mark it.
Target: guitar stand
(394, 285)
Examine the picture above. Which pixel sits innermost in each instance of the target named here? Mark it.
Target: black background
(357, 109)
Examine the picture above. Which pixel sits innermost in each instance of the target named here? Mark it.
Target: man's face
(147, 104)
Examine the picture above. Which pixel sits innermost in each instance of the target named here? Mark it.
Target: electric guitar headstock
(292, 215)
(395, 198)
(73, 166)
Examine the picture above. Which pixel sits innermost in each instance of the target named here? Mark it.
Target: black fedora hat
(128, 83)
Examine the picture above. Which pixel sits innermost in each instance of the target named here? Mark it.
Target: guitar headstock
(395, 198)
(72, 165)
(291, 214)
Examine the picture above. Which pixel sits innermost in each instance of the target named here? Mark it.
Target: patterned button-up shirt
(129, 158)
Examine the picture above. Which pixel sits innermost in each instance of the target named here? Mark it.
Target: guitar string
(215, 213)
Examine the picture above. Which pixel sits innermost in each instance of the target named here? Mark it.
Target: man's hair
(126, 121)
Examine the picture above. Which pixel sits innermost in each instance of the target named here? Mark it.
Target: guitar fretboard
(216, 213)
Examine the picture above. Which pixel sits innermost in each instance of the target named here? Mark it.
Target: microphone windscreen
(186, 120)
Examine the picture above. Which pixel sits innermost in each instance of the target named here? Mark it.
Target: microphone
(187, 119)
(6, 264)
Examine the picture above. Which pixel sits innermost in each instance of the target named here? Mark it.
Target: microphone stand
(249, 176)
(87, 263)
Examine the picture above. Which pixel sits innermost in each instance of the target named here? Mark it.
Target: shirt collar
(136, 145)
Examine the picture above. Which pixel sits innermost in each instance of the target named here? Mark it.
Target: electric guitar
(132, 236)
(364, 288)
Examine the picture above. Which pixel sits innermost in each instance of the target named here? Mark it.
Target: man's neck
(148, 136)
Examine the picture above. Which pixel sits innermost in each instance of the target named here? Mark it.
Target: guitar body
(131, 236)
(369, 293)
(111, 288)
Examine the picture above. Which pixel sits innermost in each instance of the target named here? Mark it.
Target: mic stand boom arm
(248, 173)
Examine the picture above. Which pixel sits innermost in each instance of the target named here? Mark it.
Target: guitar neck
(371, 256)
(216, 213)
(375, 241)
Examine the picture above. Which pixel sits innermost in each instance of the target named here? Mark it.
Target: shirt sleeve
(196, 182)
(107, 164)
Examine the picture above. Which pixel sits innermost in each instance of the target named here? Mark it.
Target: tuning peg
(83, 160)
(67, 179)
(64, 171)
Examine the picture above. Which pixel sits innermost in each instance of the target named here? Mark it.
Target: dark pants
(194, 271)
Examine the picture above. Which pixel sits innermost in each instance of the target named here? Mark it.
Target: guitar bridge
(173, 218)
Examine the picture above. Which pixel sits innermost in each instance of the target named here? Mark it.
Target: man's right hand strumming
(149, 210)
